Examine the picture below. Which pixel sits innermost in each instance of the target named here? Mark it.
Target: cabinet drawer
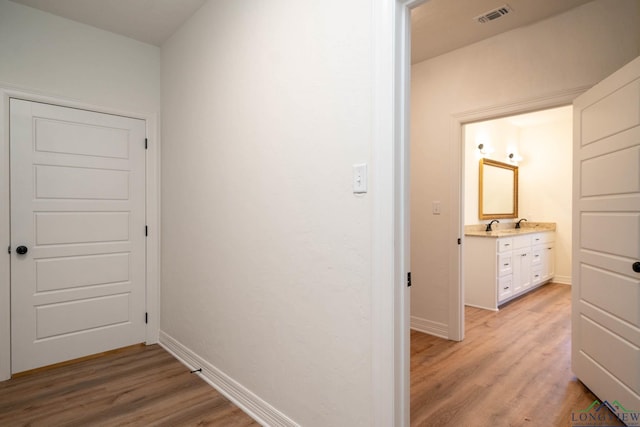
(537, 255)
(522, 241)
(536, 276)
(540, 238)
(505, 287)
(505, 244)
(505, 264)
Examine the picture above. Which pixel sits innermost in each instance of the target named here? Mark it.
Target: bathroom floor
(513, 368)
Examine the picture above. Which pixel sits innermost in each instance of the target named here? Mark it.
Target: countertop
(508, 229)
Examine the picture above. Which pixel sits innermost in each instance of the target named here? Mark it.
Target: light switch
(360, 178)
(435, 207)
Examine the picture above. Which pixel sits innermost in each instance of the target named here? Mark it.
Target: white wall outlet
(435, 207)
(360, 178)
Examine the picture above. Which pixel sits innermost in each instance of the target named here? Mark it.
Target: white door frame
(390, 204)
(152, 214)
(552, 100)
(391, 223)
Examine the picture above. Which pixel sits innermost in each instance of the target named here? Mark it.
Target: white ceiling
(438, 26)
(149, 21)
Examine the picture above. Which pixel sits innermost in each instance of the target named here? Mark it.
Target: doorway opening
(539, 145)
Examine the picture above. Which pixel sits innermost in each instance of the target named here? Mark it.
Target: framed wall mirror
(498, 192)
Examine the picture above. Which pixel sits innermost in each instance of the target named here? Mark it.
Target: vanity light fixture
(485, 149)
(514, 158)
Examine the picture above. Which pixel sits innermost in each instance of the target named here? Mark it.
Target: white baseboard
(565, 280)
(430, 327)
(253, 405)
(479, 306)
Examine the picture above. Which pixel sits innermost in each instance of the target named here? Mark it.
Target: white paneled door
(77, 233)
(606, 267)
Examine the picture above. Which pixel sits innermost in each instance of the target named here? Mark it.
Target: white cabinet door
(548, 261)
(606, 238)
(521, 269)
(542, 258)
(78, 210)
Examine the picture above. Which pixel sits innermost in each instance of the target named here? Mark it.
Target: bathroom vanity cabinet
(500, 266)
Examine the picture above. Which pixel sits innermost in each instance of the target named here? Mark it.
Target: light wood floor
(137, 386)
(512, 369)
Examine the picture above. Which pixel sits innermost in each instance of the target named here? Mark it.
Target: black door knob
(636, 267)
(21, 250)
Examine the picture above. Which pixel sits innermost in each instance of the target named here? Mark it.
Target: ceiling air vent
(494, 14)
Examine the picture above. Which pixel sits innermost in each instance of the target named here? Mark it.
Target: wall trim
(563, 280)
(481, 307)
(488, 112)
(253, 405)
(521, 106)
(7, 92)
(5, 241)
(430, 327)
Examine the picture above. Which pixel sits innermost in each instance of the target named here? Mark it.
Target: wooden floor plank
(512, 369)
(139, 386)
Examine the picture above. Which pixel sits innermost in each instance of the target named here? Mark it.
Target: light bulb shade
(514, 158)
(485, 148)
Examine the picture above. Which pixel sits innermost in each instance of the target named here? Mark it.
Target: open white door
(606, 242)
(77, 233)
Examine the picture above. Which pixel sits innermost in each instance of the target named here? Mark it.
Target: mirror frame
(500, 215)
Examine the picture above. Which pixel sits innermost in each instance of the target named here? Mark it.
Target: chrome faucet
(489, 225)
(518, 223)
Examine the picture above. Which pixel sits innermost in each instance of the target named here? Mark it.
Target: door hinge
(408, 279)
(459, 241)
(146, 230)
(146, 143)
(146, 317)
(9, 250)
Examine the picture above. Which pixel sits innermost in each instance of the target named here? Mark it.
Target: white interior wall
(544, 174)
(572, 50)
(59, 57)
(45, 55)
(266, 252)
(546, 184)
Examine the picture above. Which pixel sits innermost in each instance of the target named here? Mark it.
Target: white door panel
(621, 358)
(606, 289)
(55, 274)
(59, 182)
(615, 112)
(56, 228)
(616, 233)
(78, 205)
(57, 136)
(66, 317)
(615, 166)
(622, 298)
